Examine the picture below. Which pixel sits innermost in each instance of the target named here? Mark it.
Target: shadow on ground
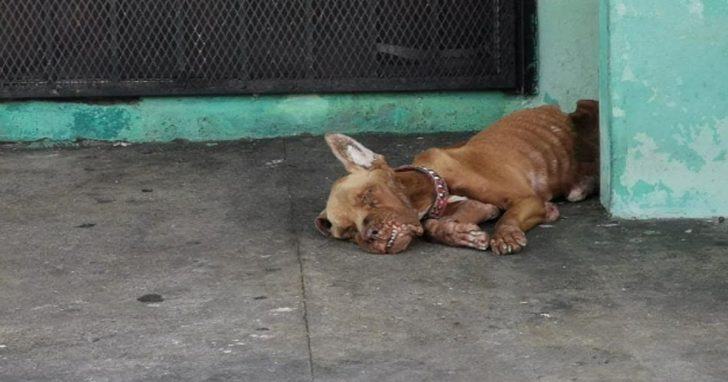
(217, 242)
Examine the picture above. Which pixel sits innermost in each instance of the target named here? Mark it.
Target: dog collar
(442, 194)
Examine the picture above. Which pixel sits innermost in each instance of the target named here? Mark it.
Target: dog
(516, 167)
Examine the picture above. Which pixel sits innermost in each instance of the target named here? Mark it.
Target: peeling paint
(668, 126)
(696, 7)
(628, 75)
(621, 9)
(647, 163)
(228, 118)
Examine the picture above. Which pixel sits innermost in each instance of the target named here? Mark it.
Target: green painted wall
(665, 81)
(568, 54)
(224, 118)
(568, 51)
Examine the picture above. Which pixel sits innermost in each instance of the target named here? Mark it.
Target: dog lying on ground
(517, 165)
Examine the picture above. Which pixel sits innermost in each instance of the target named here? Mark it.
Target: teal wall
(568, 54)
(227, 118)
(665, 101)
(567, 64)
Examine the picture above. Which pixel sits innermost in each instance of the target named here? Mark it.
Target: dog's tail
(586, 126)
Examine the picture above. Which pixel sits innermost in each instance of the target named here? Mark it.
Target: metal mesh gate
(74, 48)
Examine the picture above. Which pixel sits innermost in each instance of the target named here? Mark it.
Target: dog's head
(368, 206)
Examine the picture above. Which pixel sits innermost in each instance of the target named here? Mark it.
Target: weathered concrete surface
(591, 299)
(202, 239)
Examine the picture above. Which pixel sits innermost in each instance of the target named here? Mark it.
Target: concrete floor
(223, 234)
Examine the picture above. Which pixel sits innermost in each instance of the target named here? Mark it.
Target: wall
(665, 97)
(568, 54)
(567, 51)
(224, 118)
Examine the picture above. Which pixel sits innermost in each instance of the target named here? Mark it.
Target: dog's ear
(353, 154)
(586, 113)
(323, 224)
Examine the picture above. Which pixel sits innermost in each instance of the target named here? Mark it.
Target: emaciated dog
(517, 166)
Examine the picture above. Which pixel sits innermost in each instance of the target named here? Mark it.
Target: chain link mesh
(67, 48)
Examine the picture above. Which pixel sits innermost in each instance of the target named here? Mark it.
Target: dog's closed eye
(368, 199)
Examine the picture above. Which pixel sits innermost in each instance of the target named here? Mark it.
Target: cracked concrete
(250, 291)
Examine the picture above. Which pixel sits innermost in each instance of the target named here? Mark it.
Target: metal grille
(76, 48)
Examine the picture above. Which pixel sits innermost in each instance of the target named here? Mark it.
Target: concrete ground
(217, 242)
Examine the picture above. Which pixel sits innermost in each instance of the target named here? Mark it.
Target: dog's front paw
(473, 237)
(467, 235)
(460, 235)
(508, 240)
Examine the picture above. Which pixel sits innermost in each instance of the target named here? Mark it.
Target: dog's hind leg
(510, 236)
(586, 182)
(586, 126)
(552, 212)
(459, 226)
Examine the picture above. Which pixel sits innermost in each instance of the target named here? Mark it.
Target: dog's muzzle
(391, 239)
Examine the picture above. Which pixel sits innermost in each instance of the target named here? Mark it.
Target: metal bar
(525, 46)
(179, 38)
(49, 25)
(69, 89)
(435, 29)
(497, 36)
(114, 32)
(309, 49)
(242, 55)
(372, 36)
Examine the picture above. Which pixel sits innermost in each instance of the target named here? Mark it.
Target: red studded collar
(442, 194)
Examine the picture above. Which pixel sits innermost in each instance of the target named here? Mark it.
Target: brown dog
(518, 165)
